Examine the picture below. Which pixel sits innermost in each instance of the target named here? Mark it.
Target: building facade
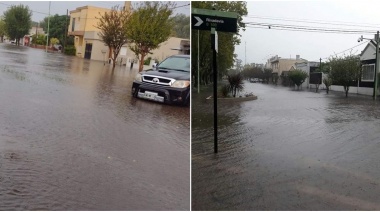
(88, 44)
(278, 64)
(308, 67)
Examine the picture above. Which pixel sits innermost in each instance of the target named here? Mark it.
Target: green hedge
(147, 61)
(70, 50)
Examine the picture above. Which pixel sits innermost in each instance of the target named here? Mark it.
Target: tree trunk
(114, 63)
(109, 54)
(115, 54)
(141, 65)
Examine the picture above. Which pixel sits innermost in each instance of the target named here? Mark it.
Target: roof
(366, 47)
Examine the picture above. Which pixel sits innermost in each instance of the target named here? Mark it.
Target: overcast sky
(260, 44)
(41, 8)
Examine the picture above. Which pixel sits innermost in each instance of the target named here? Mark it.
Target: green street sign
(202, 19)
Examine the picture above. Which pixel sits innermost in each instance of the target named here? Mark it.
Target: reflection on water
(288, 150)
(73, 138)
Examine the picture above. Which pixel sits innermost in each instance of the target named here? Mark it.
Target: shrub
(70, 50)
(147, 61)
(225, 90)
(236, 83)
(54, 41)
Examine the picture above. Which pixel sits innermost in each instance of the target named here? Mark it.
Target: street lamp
(376, 40)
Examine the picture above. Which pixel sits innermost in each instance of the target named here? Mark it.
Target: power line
(324, 58)
(307, 27)
(346, 50)
(179, 6)
(310, 30)
(340, 23)
(29, 9)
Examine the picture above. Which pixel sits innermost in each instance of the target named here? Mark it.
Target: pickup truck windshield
(176, 63)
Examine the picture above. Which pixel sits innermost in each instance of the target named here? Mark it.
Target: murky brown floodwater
(73, 138)
(288, 150)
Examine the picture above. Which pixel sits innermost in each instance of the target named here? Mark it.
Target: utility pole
(215, 94)
(47, 35)
(198, 66)
(64, 44)
(245, 62)
(376, 66)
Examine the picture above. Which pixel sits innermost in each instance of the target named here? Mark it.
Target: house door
(87, 51)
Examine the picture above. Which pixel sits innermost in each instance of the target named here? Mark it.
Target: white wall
(356, 90)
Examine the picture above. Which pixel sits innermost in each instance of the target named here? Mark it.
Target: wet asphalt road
(288, 150)
(73, 138)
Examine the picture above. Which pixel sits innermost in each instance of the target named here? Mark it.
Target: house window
(368, 72)
(73, 25)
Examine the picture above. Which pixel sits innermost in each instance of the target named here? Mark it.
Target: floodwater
(73, 138)
(287, 150)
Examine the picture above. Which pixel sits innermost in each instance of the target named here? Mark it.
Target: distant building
(281, 66)
(308, 67)
(36, 30)
(278, 64)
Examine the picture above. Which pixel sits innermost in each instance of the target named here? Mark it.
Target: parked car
(254, 80)
(168, 82)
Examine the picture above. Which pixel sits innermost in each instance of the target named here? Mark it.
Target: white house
(365, 84)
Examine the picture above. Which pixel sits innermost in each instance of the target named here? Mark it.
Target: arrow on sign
(199, 21)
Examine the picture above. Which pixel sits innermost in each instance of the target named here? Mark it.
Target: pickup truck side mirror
(154, 65)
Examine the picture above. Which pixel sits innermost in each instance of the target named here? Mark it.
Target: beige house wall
(85, 30)
(39, 30)
(282, 64)
(167, 48)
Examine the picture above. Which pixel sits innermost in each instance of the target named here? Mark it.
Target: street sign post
(203, 19)
(213, 20)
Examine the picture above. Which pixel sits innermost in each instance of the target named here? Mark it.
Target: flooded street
(287, 150)
(73, 138)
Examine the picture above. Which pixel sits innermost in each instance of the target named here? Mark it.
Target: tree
(227, 41)
(345, 71)
(251, 71)
(17, 22)
(181, 26)
(236, 83)
(297, 77)
(112, 30)
(328, 82)
(2, 29)
(275, 78)
(239, 65)
(57, 26)
(148, 27)
(267, 74)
